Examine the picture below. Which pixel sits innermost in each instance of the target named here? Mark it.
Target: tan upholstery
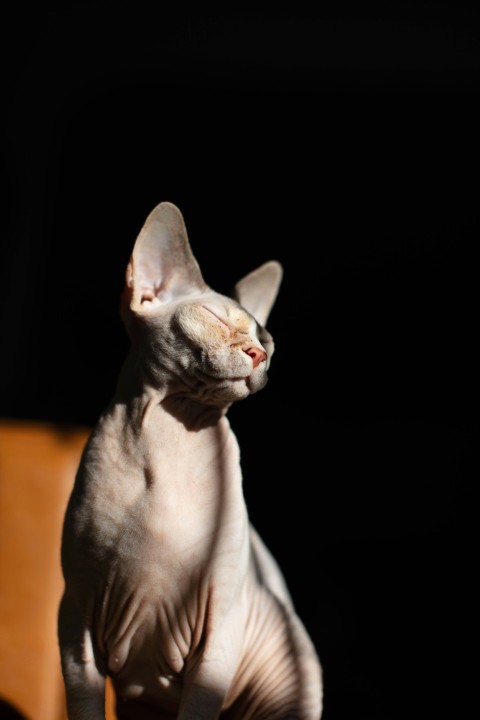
(37, 468)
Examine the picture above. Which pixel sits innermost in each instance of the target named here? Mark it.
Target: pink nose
(256, 354)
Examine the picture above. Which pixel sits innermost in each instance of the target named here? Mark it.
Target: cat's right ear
(162, 266)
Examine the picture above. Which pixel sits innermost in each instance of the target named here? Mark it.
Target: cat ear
(162, 266)
(258, 290)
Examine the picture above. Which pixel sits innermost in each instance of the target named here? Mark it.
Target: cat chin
(231, 392)
(256, 382)
(243, 387)
(238, 390)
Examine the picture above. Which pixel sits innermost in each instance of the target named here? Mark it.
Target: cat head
(189, 339)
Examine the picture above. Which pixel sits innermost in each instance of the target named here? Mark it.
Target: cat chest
(174, 523)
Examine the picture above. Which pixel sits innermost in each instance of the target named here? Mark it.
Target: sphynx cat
(169, 590)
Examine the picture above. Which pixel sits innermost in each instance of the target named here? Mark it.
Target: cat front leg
(207, 683)
(84, 680)
(205, 691)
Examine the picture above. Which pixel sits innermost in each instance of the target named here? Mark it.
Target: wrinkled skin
(168, 588)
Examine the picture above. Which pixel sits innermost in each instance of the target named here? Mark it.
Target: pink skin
(258, 356)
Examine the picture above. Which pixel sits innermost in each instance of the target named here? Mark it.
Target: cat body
(168, 587)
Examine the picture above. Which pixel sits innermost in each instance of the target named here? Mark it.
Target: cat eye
(205, 307)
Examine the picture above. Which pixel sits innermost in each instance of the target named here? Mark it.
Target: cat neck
(141, 399)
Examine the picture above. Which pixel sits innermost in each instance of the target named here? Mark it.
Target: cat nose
(257, 354)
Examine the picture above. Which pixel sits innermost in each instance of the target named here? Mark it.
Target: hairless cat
(169, 590)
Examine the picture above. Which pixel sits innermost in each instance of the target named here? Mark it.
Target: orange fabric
(37, 468)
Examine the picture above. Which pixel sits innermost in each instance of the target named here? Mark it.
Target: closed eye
(215, 315)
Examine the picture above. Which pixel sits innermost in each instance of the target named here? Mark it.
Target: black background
(344, 143)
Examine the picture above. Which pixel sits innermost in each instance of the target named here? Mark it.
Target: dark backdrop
(344, 143)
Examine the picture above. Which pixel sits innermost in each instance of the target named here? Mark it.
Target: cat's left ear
(258, 290)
